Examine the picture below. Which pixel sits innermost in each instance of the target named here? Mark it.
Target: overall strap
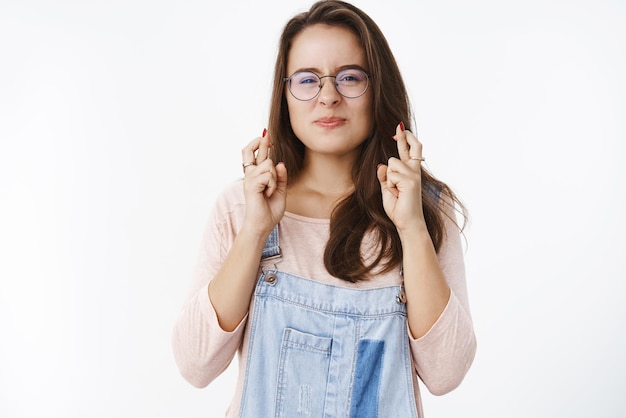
(272, 247)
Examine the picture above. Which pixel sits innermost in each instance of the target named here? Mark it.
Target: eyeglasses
(306, 85)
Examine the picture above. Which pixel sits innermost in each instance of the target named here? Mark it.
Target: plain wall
(120, 121)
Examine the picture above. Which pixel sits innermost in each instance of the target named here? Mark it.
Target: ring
(244, 165)
(418, 158)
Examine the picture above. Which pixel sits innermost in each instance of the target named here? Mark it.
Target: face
(329, 123)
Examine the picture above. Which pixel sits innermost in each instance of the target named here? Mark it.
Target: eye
(305, 78)
(351, 76)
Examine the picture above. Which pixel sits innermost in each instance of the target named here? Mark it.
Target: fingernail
(394, 138)
(264, 132)
(402, 126)
(378, 166)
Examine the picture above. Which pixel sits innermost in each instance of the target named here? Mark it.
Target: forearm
(425, 286)
(231, 289)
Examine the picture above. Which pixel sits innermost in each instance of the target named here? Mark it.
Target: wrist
(415, 232)
(252, 237)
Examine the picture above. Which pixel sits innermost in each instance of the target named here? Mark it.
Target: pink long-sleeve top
(203, 350)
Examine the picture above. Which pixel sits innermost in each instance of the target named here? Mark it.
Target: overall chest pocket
(302, 374)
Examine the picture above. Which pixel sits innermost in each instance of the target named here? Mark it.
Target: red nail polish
(264, 132)
(402, 126)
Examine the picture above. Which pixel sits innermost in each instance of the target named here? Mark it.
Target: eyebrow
(338, 69)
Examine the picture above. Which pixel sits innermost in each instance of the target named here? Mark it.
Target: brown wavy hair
(361, 212)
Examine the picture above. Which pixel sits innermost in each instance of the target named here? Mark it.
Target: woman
(334, 268)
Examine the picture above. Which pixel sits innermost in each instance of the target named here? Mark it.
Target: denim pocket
(303, 374)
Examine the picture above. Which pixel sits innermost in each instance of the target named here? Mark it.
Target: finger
(264, 148)
(415, 150)
(264, 174)
(401, 141)
(248, 157)
(386, 185)
(402, 176)
(398, 166)
(270, 182)
(278, 181)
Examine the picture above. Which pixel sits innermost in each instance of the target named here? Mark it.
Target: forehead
(326, 48)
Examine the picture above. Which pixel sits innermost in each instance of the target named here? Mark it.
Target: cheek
(297, 110)
(368, 112)
(367, 104)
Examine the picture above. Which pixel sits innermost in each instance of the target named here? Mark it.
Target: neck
(330, 175)
(321, 184)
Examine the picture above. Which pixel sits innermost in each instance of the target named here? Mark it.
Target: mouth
(330, 123)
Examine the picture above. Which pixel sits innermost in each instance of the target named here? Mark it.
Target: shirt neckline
(306, 219)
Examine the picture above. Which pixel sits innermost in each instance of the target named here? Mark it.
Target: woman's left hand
(401, 182)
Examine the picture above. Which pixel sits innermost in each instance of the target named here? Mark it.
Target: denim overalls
(317, 350)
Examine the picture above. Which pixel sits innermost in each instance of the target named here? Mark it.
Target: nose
(328, 92)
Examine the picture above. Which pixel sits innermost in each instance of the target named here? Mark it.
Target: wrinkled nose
(328, 94)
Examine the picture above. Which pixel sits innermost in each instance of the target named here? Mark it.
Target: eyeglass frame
(319, 89)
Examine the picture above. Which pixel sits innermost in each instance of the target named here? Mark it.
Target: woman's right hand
(265, 186)
(265, 191)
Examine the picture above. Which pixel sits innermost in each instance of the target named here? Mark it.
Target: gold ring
(418, 158)
(244, 165)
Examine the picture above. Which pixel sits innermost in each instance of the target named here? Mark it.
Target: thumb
(381, 173)
(281, 177)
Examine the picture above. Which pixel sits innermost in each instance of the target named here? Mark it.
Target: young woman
(334, 268)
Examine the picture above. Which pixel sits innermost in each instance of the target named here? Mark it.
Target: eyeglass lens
(351, 83)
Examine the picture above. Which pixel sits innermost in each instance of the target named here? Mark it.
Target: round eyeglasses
(306, 85)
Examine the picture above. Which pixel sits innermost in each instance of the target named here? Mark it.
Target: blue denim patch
(367, 374)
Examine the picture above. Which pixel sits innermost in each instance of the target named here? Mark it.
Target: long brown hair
(362, 211)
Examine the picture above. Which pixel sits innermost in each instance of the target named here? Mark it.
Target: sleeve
(445, 353)
(202, 349)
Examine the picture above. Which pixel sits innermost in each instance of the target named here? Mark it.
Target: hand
(401, 182)
(265, 186)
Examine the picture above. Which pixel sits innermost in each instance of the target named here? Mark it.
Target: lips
(332, 122)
